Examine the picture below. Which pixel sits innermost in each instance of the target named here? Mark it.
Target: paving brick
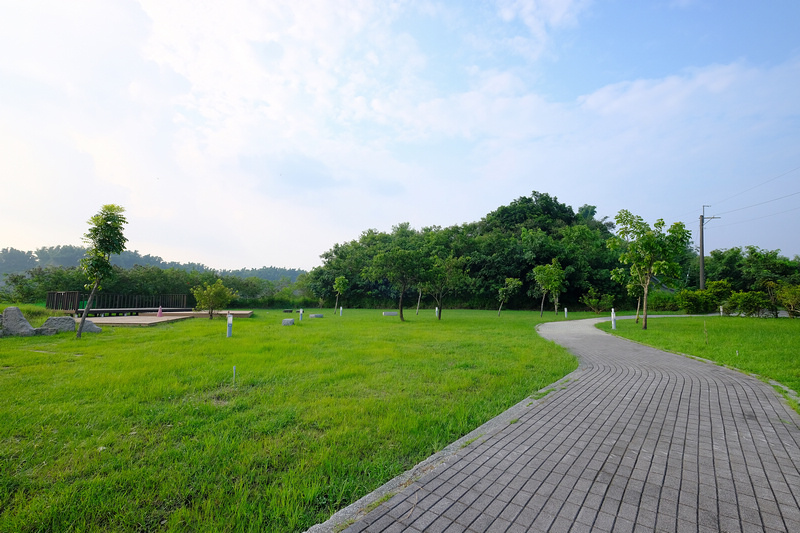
(636, 440)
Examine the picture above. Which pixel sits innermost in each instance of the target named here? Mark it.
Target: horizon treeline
(462, 266)
(13, 261)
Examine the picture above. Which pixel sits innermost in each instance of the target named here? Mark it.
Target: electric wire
(757, 186)
(760, 203)
(757, 218)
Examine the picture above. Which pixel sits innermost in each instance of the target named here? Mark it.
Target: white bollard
(340, 310)
(437, 312)
(230, 324)
(234, 375)
(565, 312)
(613, 319)
(301, 315)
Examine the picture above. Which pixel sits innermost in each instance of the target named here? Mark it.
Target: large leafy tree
(402, 262)
(103, 239)
(649, 251)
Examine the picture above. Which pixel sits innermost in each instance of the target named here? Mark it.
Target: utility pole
(702, 251)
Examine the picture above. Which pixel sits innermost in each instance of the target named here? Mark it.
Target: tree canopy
(649, 251)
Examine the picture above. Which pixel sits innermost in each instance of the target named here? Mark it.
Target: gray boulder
(14, 323)
(288, 322)
(62, 324)
(38, 332)
(90, 327)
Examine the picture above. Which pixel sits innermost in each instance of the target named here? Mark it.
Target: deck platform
(133, 321)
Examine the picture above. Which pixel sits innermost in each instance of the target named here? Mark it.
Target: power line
(758, 218)
(760, 203)
(759, 185)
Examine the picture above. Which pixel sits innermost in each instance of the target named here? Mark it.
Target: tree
(104, 238)
(212, 297)
(649, 251)
(549, 280)
(597, 302)
(512, 286)
(340, 285)
(401, 263)
(445, 275)
(789, 297)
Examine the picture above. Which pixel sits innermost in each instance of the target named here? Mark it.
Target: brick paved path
(634, 440)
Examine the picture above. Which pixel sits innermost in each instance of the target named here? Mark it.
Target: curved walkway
(636, 439)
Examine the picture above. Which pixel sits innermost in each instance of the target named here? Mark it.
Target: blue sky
(261, 133)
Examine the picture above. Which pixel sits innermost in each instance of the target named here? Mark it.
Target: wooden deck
(133, 321)
(152, 319)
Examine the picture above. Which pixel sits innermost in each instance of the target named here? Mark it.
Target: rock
(62, 324)
(90, 327)
(389, 313)
(14, 323)
(38, 332)
(288, 322)
(315, 316)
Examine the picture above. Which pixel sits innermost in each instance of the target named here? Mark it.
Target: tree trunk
(541, 308)
(644, 305)
(555, 303)
(86, 309)
(501, 307)
(402, 291)
(336, 305)
(638, 305)
(419, 299)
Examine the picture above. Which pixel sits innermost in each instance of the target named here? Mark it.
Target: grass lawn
(144, 429)
(767, 347)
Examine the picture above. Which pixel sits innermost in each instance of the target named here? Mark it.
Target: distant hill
(14, 261)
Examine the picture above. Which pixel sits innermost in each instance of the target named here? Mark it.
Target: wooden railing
(72, 301)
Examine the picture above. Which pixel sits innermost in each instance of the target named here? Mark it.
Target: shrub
(662, 301)
(789, 298)
(705, 301)
(746, 303)
(695, 302)
(597, 302)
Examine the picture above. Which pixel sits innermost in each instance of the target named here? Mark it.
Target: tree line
(519, 256)
(13, 261)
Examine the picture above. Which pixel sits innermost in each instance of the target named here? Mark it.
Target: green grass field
(144, 429)
(767, 347)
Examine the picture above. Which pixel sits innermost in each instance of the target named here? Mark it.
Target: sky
(242, 134)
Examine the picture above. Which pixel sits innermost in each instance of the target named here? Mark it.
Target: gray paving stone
(635, 440)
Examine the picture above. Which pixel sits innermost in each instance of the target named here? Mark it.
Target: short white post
(230, 324)
(613, 319)
(437, 311)
(565, 312)
(340, 310)
(720, 310)
(234, 375)
(301, 315)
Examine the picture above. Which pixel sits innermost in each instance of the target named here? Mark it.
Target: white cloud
(262, 133)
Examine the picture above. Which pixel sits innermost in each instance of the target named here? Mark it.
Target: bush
(695, 302)
(597, 302)
(662, 301)
(789, 298)
(746, 303)
(705, 301)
